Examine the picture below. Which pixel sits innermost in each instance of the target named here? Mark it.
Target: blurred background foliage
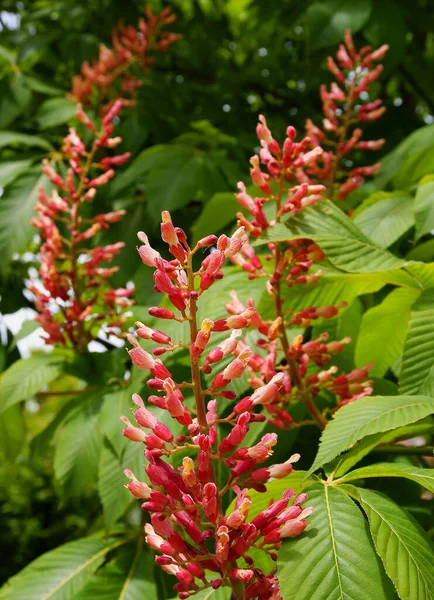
(191, 133)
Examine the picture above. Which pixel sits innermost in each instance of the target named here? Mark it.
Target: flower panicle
(347, 105)
(282, 174)
(197, 543)
(73, 295)
(112, 75)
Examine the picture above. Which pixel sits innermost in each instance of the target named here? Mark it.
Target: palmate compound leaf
(404, 548)
(365, 417)
(424, 477)
(334, 559)
(345, 246)
(418, 359)
(60, 573)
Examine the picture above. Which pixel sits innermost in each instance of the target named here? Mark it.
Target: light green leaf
(387, 218)
(115, 498)
(16, 209)
(418, 359)
(339, 238)
(26, 377)
(129, 577)
(327, 21)
(334, 559)
(403, 546)
(424, 477)
(386, 321)
(77, 448)
(365, 417)
(10, 138)
(11, 169)
(55, 111)
(424, 206)
(61, 573)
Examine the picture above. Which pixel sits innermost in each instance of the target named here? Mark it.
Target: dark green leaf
(327, 21)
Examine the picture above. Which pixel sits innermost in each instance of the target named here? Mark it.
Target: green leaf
(16, 209)
(387, 219)
(61, 573)
(386, 321)
(10, 138)
(42, 87)
(11, 169)
(55, 111)
(403, 546)
(218, 212)
(368, 443)
(416, 144)
(334, 559)
(332, 288)
(340, 239)
(424, 477)
(173, 176)
(77, 448)
(115, 498)
(14, 97)
(12, 433)
(424, 206)
(387, 25)
(128, 577)
(327, 21)
(26, 377)
(365, 417)
(297, 481)
(417, 360)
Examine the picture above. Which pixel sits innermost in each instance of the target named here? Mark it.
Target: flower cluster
(75, 299)
(111, 75)
(199, 544)
(286, 186)
(346, 106)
